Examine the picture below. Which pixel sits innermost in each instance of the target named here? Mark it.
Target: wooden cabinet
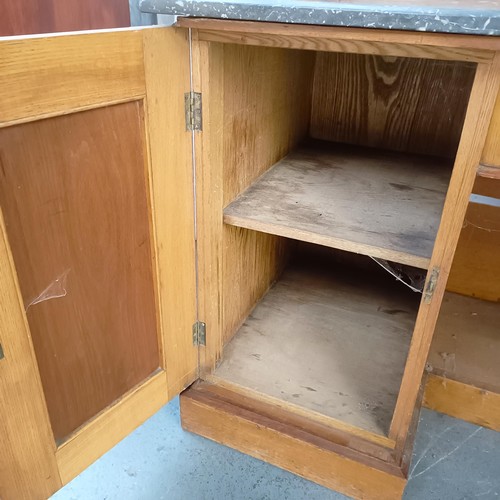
(220, 203)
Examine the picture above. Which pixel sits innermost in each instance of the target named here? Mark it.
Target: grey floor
(452, 460)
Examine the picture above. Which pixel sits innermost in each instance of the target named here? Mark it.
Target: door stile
(475, 129)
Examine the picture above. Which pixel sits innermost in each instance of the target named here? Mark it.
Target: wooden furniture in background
(50, 16)
(466, 348)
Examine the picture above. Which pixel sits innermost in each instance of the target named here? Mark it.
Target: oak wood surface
(351, 441)
(476, 267)
(380, 35)
(267, 103)
(51, 75)
(28, 468)
(112, 233)
(265, 95)
(208, 77)
(466, 345)
(463, 401)
(286, 446)
(327, 340)
(172, 204)
(491, 151)
(479, 112)
(76, 210)
(49, 16)
(347, 40)
(361, 200)
(110, 426)
(401, 104)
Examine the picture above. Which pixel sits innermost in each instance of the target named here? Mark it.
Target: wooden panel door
(97, 253)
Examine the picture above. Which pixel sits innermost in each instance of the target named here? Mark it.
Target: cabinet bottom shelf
(327, 342)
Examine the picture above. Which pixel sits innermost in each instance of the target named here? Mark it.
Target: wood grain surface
(476, 267)
(172, 203)
(442, 46)
(288, 447)
(491, 151)
(351, 441)
(327, 340)
(49, 16)
(76, 211)
(463, 401)
(51, 75)
(480, 109)
(257, 124)
(267, 103)
(361, 200)
(466, 345)
(111, 426)
(402, 104)
(28, 467)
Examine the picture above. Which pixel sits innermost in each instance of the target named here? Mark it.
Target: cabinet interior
(328, 162)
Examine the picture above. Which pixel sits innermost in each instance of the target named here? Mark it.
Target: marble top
(479, 17)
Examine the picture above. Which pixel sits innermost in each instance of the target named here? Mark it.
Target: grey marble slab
(480, 17)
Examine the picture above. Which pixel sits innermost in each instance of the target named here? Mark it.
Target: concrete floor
(453, 460)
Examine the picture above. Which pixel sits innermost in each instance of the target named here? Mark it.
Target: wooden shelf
(332, 344)
(386, 205)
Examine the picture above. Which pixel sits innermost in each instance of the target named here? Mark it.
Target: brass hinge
(199, 333)
(431, 285)
(193, 110)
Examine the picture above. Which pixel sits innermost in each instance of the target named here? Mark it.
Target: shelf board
(331, 344)
(383, 204)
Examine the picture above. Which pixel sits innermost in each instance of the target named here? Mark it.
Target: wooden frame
(464, 401)
(84, 71)
(209, 177)
(128, 65)
(287, 446)
(350, 40)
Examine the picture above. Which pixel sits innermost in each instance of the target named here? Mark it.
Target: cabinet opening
(331, 165)
(330, 337)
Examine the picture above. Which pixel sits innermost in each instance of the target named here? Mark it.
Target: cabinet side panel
(267, 103)
(403, 104)
(74, 196)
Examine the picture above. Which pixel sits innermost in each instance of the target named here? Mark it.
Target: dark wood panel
(74, 194)
(47, 16)
(411, 105)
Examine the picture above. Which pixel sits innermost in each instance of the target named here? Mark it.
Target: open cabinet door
(97, 259)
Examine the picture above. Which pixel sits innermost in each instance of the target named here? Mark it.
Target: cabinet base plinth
(286, 446)
(464, 401)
